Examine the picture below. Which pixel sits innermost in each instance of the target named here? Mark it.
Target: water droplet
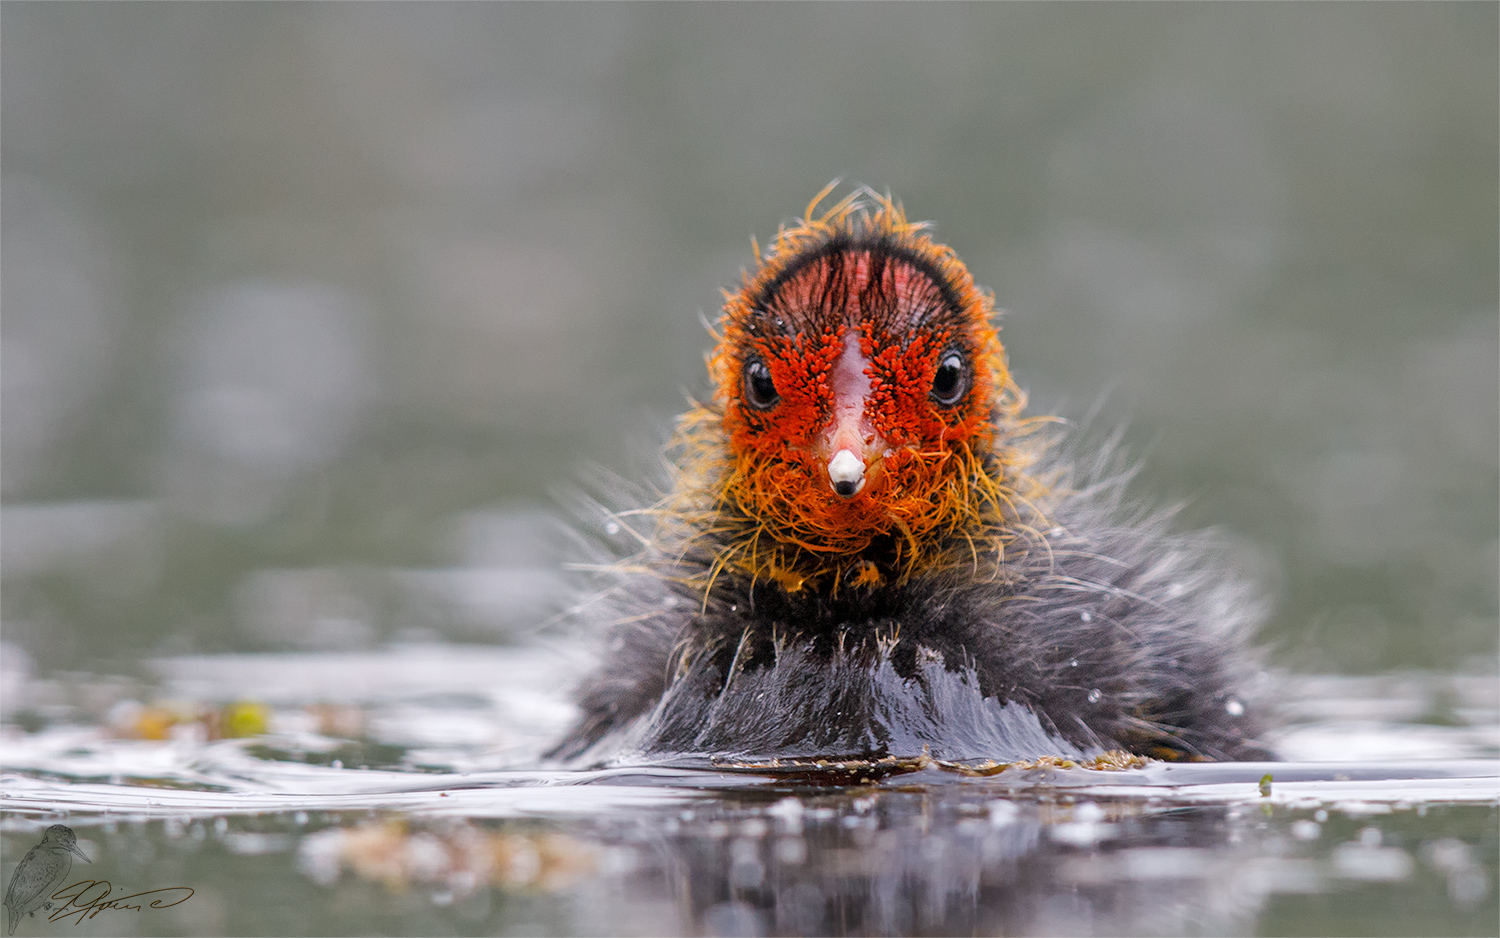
(612, 528)
(1072, 662)
(1086, 616)
(1095, 695)
(1233, 707)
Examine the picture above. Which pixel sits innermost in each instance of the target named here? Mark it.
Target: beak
(853, 451)
(79, 854)
(847, 473)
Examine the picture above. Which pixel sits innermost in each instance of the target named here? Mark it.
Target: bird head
(859, 388)
(61, 835)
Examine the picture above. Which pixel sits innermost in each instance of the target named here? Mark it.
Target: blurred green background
(308, 307)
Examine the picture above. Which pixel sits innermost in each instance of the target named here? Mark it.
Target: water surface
(400, 791)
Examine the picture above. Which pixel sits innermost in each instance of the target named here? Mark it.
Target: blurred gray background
(307, 308)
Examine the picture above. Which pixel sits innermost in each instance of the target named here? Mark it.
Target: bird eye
(760, 390)
(951, 382)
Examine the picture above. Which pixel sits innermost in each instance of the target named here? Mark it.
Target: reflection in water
(904, 860)
(460, 857)
(1176, 849)
(914, 862)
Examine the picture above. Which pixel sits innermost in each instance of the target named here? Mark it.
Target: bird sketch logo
(39, 874)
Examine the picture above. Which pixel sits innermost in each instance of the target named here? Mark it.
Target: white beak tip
(847, 473)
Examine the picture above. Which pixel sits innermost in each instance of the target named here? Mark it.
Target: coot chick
(866, 552)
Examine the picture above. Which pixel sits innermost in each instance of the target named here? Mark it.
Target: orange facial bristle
(846, 326)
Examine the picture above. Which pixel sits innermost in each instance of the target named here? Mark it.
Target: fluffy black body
(1099, 629)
